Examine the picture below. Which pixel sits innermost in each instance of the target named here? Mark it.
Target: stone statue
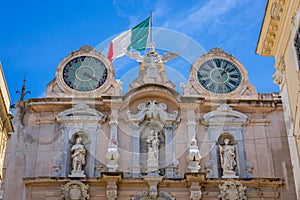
(78, 155)
(227, 156)
(153, 144)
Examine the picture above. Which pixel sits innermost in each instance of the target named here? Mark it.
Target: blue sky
(36, 35)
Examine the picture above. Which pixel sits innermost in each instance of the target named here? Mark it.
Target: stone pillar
(153, 182)
(191, 124)
(112, 155)
(170, 151)
(114, 124)
(135, 151)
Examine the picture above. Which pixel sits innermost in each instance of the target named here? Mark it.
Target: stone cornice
(274, 19)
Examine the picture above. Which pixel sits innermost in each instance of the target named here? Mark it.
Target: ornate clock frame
(58, 87)
(194, 88)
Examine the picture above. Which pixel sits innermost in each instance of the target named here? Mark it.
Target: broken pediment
(225, 114)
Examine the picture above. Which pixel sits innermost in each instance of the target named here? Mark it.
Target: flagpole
(151, 26)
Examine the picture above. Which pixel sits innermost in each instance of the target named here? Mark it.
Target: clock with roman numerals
(219, 76)
(84, 73)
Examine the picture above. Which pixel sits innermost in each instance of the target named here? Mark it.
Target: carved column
(111, 186)
(193, 149)
(170, 150)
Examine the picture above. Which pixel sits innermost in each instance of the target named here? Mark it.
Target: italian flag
(135, 38)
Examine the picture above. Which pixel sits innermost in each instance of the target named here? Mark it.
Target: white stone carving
(75, 190)
(279, 75)
(111, 194)
(112, 156)
(153, 110)
(194, 157)
(153, 151)
(195, 195)
(78, 158)
(151, 68)
(232, 190)
(227, 156)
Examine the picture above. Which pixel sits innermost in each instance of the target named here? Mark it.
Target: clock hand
(92, 77)
(223, 72)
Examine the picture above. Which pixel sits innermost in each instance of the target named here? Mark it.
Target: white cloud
(194, 17)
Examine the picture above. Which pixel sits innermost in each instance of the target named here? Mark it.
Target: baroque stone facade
(150, 142)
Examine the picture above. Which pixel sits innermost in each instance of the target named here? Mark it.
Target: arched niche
(220, 123)
(152, 115)
(144, 146)
(81, 120)
(232, 142)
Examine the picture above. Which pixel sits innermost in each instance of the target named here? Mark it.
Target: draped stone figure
(153, 144)
(78, 157)
(227, 156)
(153, 152)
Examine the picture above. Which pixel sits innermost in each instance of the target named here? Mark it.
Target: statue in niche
(78, 156)
(153, 144)
(227, 156)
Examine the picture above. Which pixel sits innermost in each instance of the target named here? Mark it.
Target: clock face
(85, 73)
(219, 76)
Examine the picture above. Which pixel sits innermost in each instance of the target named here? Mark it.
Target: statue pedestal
(152, 166)
(77, 174)
(229, 174)
(194, 166)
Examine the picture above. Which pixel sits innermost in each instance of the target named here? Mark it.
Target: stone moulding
(257, 188)
(269, 35)
(144, 195)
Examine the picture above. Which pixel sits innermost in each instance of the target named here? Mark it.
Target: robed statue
(227, 156)
(153, 144)
(78, 155)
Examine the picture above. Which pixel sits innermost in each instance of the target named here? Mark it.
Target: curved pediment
(224, 114)
(80, 112)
